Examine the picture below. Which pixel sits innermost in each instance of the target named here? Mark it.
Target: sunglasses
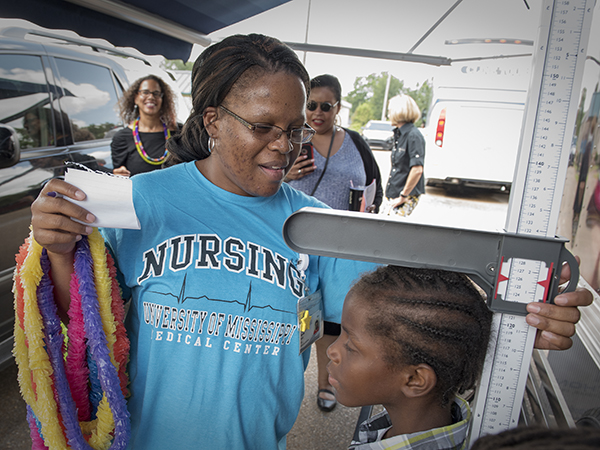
(325, 106)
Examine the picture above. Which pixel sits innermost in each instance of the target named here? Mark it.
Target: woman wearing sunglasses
(337, 159)
(148, 106)
(340, 160)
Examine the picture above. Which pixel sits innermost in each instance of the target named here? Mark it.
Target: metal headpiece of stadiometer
(485, 256)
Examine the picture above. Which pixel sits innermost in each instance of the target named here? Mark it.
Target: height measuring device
(541, 171)
(514, 267)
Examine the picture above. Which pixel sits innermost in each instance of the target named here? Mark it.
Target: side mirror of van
(10, 150)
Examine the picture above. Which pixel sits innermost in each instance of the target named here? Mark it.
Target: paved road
(475, 210)
(14, 432)
(314, 430)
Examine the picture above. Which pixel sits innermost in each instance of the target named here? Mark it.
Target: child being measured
(411, 340)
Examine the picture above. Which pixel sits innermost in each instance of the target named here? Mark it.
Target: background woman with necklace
(341, 160)
(148, 107)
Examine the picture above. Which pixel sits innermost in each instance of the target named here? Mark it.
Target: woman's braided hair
(429, 316)
(221, 68)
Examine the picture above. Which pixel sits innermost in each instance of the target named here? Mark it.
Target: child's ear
(418, 380)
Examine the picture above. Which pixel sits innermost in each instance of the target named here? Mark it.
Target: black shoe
(325, 404)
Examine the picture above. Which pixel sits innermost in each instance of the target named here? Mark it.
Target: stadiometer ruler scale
(535, 201)
(514, 267)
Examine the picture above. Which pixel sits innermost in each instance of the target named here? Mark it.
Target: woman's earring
(211, 144)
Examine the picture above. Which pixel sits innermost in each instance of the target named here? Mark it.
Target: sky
(397, 25)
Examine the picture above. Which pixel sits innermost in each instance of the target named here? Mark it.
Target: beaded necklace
(140, 147)
(96, 314)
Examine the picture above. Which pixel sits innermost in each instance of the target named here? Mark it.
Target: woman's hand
(51, 216)
(122, 171)
(556, 323)
(302, 167)
(396, 202)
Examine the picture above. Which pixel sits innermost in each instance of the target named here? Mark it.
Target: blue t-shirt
(215, 358)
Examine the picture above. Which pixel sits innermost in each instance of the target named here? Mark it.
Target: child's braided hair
(429, 316)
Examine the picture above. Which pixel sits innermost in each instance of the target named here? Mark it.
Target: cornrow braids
(221, 68)
(527, 438)
(429, 316)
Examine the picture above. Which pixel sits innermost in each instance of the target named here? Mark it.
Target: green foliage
(368, 96)
(176, 64)
(100, 130)
(25, 140)
(422, 95)
(361, 116)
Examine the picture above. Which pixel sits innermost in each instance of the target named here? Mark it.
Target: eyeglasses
(146, 93)
(270, 133)
(325, 106)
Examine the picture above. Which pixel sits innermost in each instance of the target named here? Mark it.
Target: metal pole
(306, 34)
(435, 25)
(385, 97)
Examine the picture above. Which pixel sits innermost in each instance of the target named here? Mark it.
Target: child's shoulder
(371, 430)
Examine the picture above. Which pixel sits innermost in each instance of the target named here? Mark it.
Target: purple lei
(107, 372)
(54, 347)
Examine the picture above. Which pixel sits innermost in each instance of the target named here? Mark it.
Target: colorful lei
(56, 380)
(140, 147)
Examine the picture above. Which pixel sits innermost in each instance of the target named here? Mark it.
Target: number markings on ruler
(524, 280)
(505, 376)
(550, 124)
(503, 383)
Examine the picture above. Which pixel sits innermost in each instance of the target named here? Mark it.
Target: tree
(370, 91)
(361, 116)
(422, 96)
(176, 64)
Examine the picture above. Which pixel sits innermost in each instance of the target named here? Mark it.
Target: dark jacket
(371, 167)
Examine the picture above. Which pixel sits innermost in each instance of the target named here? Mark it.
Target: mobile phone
(307, 149)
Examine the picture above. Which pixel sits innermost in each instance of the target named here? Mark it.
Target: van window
(25, 100)
(89, 99)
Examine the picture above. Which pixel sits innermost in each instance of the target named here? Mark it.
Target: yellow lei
(34, 364)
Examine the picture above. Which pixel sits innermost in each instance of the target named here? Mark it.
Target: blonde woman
(406, 182)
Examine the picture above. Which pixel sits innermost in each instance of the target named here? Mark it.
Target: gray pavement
(314, 429)
(14, 432)
(318, 430)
